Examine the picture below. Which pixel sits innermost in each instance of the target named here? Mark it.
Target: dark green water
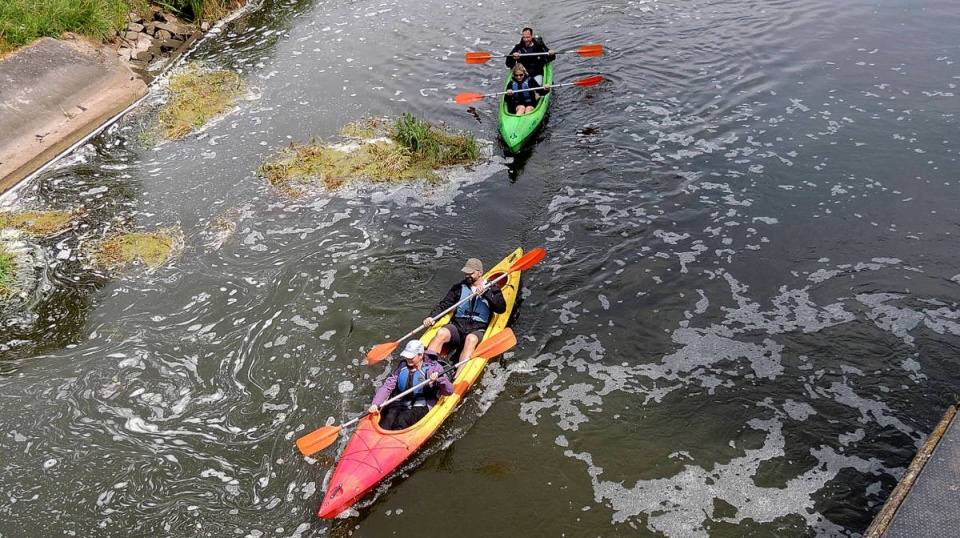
(747, 322)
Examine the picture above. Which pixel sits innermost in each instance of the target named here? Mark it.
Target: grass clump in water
(196, 96)
(378, 150)
(7, 274)
(42, 223)
(152, 249)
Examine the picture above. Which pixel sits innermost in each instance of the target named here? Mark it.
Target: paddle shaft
(552, 86)
(586, 50)
(447, 311)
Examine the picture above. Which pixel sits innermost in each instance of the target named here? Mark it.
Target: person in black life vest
(522, 95)
(531, 45)
(470, 319)
(417, 366)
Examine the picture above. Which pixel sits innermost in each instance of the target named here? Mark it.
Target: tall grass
(434, 146)
(23, 21)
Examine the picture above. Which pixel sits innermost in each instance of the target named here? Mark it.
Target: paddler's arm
(494, 297)
(384, 392)
(441, 380)
(449, 300)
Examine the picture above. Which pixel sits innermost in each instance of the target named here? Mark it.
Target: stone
(144, 56)
(205, 26)
(173, 28)
(131, 36)
(135, 27)
(163, 35)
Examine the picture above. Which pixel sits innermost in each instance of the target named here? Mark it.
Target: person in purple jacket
(418, 365)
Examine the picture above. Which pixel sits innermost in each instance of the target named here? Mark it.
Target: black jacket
(534, 64)
(493, 296)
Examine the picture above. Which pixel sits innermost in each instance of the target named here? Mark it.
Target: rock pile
(161, 36)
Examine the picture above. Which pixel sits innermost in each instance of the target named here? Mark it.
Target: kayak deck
(517, 130)
(373, 453)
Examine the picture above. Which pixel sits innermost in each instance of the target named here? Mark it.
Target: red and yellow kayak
(373, 453)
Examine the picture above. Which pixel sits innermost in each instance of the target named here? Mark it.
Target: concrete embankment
(53, 94)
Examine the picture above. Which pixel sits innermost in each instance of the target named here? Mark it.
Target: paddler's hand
(428, 322)
(551, 52)
(509, 92)
(373, 409)
(433, 377)
(516, 55)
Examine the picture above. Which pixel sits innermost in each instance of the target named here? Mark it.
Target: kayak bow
(517, 130)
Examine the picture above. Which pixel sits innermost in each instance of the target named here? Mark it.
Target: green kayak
(517, 130)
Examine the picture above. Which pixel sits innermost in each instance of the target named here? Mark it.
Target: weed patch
(151, 249)
(375, 150)
(7, 274)
(197, 96)
(41, 223)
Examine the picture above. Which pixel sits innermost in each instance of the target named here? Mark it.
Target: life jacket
(476, 308)
(521, 94)
(408, 379)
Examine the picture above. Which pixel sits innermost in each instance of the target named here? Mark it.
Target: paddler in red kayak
(470, 320)
(418, 365)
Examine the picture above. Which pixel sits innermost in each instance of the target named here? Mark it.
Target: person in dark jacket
(418, 365)
(531, 45)
(470, 319)
(522, 95)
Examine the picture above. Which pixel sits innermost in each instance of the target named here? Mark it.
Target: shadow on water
(518, 162)
(519, 159)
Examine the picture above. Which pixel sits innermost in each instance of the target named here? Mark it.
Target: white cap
(414, 348)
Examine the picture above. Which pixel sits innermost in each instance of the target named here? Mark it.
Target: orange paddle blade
(590, 50)
(497, 344)
(317, 440)
(478, 57)
(468, 98)
(589, 81)
(382, 351)
(529, 260)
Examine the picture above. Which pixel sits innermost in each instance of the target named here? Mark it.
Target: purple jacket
(429, 366)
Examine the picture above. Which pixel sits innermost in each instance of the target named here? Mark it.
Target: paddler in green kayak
(532, 53)
(471, 318)
(522, 94)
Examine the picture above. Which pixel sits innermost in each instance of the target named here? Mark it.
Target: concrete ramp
(52, 94)
(926, 502)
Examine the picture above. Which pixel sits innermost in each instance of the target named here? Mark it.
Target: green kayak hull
(518, 130)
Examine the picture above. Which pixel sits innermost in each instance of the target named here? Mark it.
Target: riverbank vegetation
(24, 21)
(377, 150)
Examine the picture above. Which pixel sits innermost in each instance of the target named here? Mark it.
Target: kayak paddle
(469, 98)
(484, 57)
(317, 440)
(382, 351)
